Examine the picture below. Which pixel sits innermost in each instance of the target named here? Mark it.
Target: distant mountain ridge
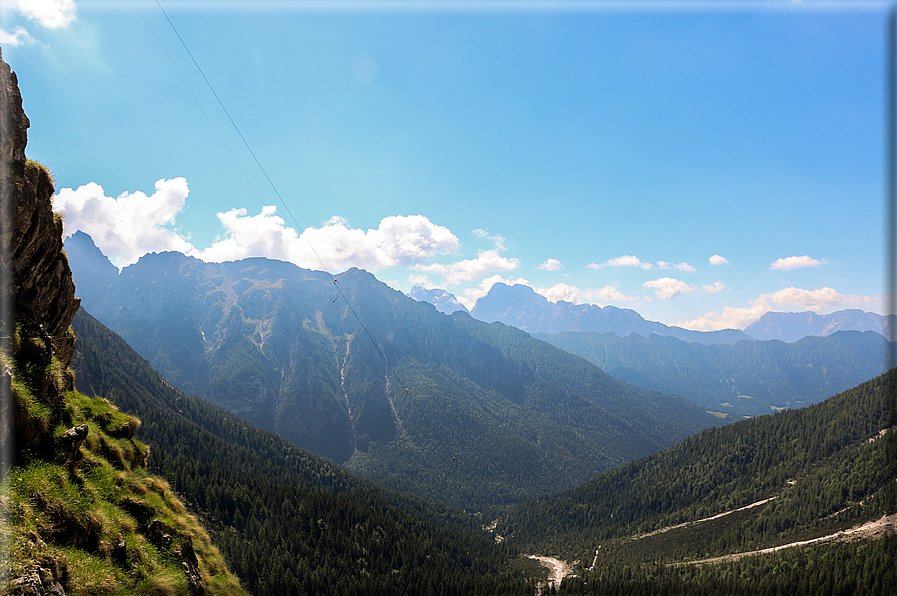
(792, 326)
(445, 302)
(520, 306)
(748, 378)
(478, 413)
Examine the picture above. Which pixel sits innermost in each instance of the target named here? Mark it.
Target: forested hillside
(804, 473)
(445, 407)
(289, 522)
(748, 378)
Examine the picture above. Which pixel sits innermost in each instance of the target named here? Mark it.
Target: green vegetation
(748, 378)
(491, 416)
(866, 567)
(98, 522)
(289, 522)
(35, 168)
(808, 473)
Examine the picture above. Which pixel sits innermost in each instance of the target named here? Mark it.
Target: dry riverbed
(557, 570)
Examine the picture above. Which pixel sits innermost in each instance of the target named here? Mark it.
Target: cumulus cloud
(262, 235)
(667, 287)
(633, 261)
(18, 37)
(794, 263)
(551, 265)
(680, 266)
(716, 287)
(624, 261)
(486, 262)
(52, 14)
(717, 260)
(133, 224)
(130, 225)
(560, 291)
(818, 300)
(576, 295)
(398, 241)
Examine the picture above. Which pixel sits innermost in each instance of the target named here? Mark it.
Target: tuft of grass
(33, 412)
(108, 526)
(36, 168)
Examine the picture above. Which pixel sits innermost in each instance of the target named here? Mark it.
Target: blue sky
(701, 163)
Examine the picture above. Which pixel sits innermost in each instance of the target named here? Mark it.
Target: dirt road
(878, 527)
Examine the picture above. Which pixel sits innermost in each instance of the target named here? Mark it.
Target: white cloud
(576, 295)
(551, 265)
(560, 291)
(398, 241)
(262, 235)
(680, 266)
(624, 261)
(815, 300)
(129, 226)
(819, 300)
(16, 38)
(52, 14)
(422, 281)
(133, 224)
(795, 262)
(608, 294)
(717, 260)
(667, 287)
(498, 239)
(633, 261)
(486, 262)
(717, 286)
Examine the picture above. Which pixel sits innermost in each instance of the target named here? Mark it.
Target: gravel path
(879, 527)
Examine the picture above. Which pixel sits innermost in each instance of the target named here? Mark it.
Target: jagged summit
(445, 302)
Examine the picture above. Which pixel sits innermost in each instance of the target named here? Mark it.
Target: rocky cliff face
(38, 294)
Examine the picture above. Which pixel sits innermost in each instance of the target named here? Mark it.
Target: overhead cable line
(334, 280)
(196, 101)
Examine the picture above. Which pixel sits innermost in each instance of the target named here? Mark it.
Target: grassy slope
(108, 526)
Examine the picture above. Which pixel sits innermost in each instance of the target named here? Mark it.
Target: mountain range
(800, 502)
(748, 378)
(520, 306)
(792, 326)
(446, 407)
